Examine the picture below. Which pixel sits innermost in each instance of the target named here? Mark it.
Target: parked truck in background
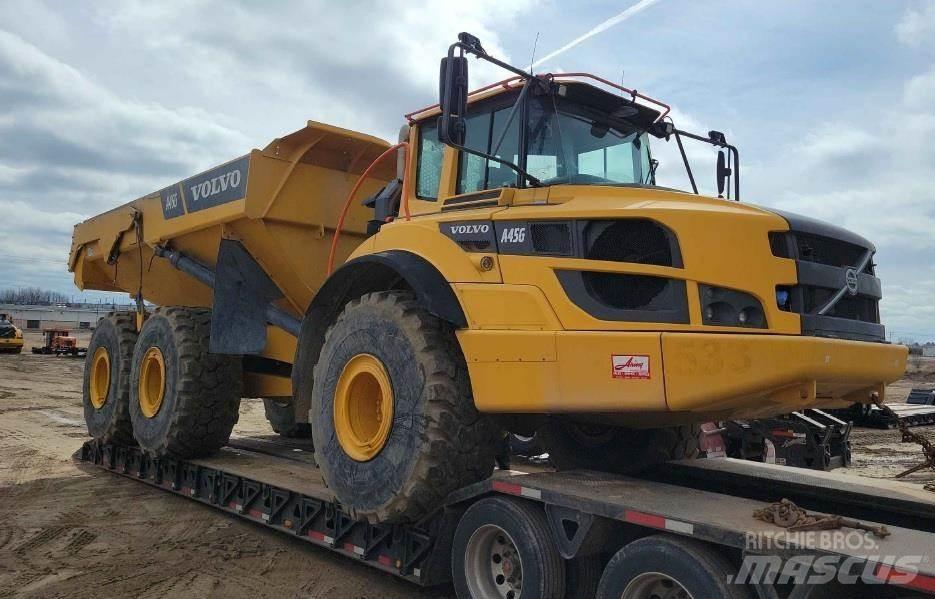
(516, 267)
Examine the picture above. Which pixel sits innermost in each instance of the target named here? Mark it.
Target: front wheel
(392, 414)
(577, 445)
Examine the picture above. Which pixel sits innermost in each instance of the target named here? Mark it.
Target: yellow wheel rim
(363, 407)
(99, 383)
(152, 387)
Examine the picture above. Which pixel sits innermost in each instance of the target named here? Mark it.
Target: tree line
(33, 296)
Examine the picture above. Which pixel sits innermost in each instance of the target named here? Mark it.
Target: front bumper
(658, 378)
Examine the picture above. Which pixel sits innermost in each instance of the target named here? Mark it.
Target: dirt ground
(66, 530)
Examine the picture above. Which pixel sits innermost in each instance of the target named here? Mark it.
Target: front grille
(822, 263)
(833, 252)
(851, 307)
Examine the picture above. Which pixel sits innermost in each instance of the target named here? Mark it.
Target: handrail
(506, 84)
(353, 192)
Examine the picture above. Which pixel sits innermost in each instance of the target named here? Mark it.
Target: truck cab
(581, 275)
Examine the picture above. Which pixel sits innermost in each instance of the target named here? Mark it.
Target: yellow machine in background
(11, 337)
(517, 268)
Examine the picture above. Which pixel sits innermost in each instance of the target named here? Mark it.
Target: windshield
(569, 143)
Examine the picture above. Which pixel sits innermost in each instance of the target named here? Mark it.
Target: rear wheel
(281, 416)
(184, 401)
(670, 567)
(572, 445)
(106, 385)
(502, 548)
(392, 415)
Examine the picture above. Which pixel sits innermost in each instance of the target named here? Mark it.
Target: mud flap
(242, 291)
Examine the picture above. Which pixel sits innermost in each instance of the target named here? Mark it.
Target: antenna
(532, 58)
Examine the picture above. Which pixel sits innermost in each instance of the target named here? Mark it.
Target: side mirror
(723, 174)
(452, 97)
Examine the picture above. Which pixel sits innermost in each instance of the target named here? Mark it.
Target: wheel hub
(655, 585)
(363, 407)
(493, 564)
(99, 381)
(152, 388)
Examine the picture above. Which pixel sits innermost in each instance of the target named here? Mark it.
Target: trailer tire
(582, 575)
(615, 449)
(663, 560)
(106, 383)
(184, 400)
(488, 536)
(392, 414)
(281, 418)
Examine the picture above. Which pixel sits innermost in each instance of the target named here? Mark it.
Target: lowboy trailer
(560, 534)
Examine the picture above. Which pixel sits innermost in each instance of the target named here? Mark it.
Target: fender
(372, 272)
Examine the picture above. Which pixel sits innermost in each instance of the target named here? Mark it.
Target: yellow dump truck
(514, 267)
(11, 337)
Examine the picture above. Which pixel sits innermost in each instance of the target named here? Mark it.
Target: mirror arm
(708, 140)
(688, 169)
(736, 171)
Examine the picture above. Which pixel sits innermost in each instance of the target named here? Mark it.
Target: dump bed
(282, 203)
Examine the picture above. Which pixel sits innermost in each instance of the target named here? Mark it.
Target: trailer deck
(277, 484)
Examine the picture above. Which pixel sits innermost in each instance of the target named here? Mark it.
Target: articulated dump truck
(510, 265)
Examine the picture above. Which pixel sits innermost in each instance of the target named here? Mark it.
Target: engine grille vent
(551, 238)
(634, 240)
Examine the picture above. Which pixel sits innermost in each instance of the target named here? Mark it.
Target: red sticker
(630, 367)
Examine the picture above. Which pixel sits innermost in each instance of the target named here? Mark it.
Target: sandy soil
(66, 530)
(70, 531)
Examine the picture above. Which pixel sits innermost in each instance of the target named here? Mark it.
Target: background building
(60, 316)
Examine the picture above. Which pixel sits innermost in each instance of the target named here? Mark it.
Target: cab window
(429, 162)
(485, 133)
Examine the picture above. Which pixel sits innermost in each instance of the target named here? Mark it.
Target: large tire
(281, 417)
(621, 450)
(430, 439)
(200, 391)
(526, 446)
(665, 561)
(106, 385)
(502, 547)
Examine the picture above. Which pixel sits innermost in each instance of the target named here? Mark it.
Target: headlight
(730, 308)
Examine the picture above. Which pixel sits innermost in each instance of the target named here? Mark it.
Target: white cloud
(917, 26)
(920, 90)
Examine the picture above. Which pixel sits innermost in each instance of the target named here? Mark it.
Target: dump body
(282, 203)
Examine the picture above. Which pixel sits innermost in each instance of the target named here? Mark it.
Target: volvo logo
(850, 281)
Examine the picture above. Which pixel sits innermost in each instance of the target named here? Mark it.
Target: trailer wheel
(572, 445)
(281, 417)
(502, 547)
(669, 566)
(392, 415)
(184, 401)
(106, 385)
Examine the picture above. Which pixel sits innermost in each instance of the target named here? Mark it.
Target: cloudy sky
(831, 103)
